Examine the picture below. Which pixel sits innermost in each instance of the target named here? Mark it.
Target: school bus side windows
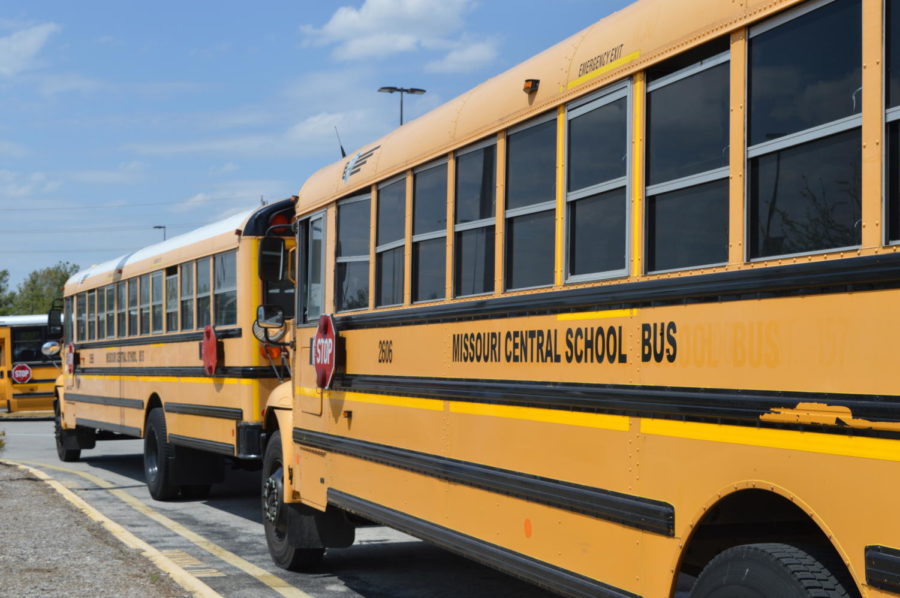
(310, 267)
(597, 185)
(687, 164)
(429, 242)
(352, 274)
(390, 241)
(804, 127)
(133, 307)
(531, 204)
(120, 309)
(225, 288)
(101, 313)
(892, 117)
(204, 316)
(171, 298)
(476, 188)
(187, 296)
(81, 316)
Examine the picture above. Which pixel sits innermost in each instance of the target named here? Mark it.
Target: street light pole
(163, 227)
(401, 91)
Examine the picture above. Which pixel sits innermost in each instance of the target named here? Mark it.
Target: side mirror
(54, 323)
(270, 316)
(271, 259)
(50, 348)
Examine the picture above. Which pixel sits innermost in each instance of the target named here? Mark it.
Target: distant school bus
(158, 346)
(26, 374)
(620, 319)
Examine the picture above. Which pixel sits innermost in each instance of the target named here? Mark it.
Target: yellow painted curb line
(272, 581)
(179, 575)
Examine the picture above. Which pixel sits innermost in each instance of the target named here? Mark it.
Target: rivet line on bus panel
(272, 581)
(178, 574)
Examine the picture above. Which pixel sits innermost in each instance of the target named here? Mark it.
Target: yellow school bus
(157, 345)
(27, 376)
(621, 320)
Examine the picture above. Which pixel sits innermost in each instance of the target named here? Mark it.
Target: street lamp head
(415, 91)
(389, 89)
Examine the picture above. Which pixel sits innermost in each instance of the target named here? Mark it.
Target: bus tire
(285, 548)
(158, 461)
(195, 491)
(67, 455)
(767, 571)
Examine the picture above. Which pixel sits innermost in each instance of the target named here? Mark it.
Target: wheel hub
(272, 499)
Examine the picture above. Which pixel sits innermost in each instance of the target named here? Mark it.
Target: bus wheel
(158, 458)
(766, 571)
(276, 515)
(195, 491)
(65, 454)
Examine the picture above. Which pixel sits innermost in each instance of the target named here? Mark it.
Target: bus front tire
(158, 457)
(766, 571)
(283, 546)
(67, 455)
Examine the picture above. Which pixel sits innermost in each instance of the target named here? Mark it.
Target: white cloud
(12, 150)
(19, 50)
(125, 174)
(466, 58)
(382, 28)
(223, 169)
(235, 196)
(18, 185)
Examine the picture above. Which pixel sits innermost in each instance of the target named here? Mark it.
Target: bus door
(310, 268)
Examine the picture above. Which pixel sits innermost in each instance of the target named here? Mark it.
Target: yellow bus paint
(605, 69)
(597, 315)
(547, 416)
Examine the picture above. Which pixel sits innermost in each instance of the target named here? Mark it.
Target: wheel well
(758, 516)
(152, 404)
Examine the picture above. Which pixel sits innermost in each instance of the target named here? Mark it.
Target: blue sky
(118, 116)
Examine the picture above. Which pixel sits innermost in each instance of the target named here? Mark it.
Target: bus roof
(29, 320)
(620, 44)
(244, 221)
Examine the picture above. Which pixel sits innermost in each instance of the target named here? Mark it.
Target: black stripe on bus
(36, 381)
(263, 371)
(734, 405)
(543, 574)
(37, 364)
(110, 401)
(867, 273)
(117, 428)
(32, 395)
(205, 411)
(183, 337)
(883, 568)
(634, 511)
(209, 446)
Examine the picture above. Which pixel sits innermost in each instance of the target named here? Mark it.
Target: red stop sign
(324, 351)
(21, 373)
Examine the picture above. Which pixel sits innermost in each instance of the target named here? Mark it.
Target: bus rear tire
(766, 571)
(67, 455)
(276, 514)
(158, 455)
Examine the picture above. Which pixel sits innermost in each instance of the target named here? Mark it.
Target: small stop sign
(324, 351)
(21, 373)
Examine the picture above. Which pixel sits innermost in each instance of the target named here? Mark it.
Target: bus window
(187, 296)
(352, 276)
(804, 128)
(597, 187)
(133, 307)
(687, 166)
(91, 315)
(531, 204)
(67, 323)
(120, 309)
(204, 317)
(390, 243)
(172, 299)
(101, 314)
(892, 140)
(429, 233)
(26, 343)
(82, 316)
(225, 288)
(156, 294)
(110, 311)
(145, 304)
(476, 191)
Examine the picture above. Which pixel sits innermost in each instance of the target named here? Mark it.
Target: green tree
(6, 297)
(36, 293)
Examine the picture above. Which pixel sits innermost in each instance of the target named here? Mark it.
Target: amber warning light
(531, 85)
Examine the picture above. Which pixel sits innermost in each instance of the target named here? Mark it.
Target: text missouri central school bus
(158, 346)
(623, 315)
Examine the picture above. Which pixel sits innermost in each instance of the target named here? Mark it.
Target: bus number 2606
(385, 351)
